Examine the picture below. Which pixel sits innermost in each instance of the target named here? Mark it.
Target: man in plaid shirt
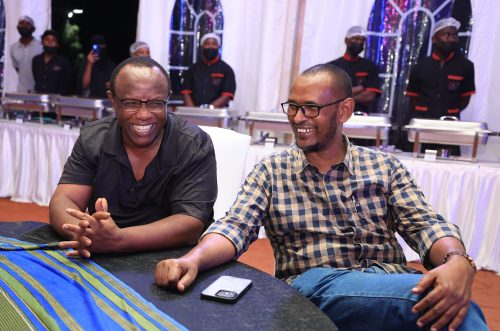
(331, 211)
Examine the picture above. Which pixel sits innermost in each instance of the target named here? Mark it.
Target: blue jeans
(370, 300)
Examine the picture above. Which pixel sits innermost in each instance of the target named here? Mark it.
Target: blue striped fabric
(42, 289)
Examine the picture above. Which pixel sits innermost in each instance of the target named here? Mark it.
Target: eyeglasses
(309, 110)
(133, 105)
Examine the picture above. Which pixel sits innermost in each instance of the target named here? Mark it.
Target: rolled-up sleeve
(415, 220)
(242, 223)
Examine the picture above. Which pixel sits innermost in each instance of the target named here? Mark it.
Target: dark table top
(270, 304)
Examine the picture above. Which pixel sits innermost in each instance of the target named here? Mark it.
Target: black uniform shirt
(439, 88)
(55, 76)
(208, 81)
(362, 72)
(181, 179)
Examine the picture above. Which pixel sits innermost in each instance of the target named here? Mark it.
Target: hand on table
(176, 273)
(94, 233)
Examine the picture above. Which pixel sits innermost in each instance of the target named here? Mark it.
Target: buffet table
(32, 157)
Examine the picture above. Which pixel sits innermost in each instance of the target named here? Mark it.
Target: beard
(320, 145)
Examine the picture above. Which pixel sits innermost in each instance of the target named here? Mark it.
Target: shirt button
(132, 190)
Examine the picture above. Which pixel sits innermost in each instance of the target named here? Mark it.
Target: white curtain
(325, 25)
(484, 52)
(153, 27)
(40, 12)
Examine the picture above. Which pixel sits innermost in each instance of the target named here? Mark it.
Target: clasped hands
(94, 233)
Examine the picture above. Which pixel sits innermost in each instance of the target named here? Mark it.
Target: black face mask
(447, 47)
(24, 32)
(355, 48)
(50, 50)
(210, 53)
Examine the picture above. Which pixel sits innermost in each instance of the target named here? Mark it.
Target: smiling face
(141, 128)
(313, 134)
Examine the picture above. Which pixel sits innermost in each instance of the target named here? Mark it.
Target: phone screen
(96, 49)
(226, 289)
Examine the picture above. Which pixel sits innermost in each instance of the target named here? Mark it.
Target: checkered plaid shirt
(346, 218)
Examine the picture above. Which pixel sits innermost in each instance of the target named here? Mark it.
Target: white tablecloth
(467, 194)
(32, 159)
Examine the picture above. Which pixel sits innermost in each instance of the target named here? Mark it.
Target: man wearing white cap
(210, 81)
(441, 84)
(363, 72)
(139, 48)
(22, 53)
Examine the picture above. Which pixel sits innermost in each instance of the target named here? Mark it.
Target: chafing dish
(29, 102)
(458, 133)
(82, 107)
(368, 127)
(219, 117)
(266, 121)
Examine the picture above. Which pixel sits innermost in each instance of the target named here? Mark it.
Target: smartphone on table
(226, 289)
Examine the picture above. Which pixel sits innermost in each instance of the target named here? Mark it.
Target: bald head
(340, 82)
(139, 62)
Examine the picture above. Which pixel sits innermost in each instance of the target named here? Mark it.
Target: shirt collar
(210, 63)
(436, 56)
(301, 162)
(350, 58)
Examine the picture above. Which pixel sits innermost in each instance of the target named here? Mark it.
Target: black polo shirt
(362, 72)
(181, 179)
(208, 81)
(438, 87)
(55, 76)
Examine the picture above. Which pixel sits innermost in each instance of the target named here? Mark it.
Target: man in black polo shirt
(363, 72)
(52, 72)
(441, 84)
(146, 177)
(210, 81)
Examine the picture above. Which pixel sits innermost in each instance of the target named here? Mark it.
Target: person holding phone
(331, 211)
(95, 71)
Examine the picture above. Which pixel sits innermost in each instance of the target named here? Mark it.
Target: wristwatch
(464, 254)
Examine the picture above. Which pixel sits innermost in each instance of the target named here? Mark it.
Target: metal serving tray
(219, 117)
(368, 127)
(266, 121)
(29, 102)
(81, 107)
(458, 133)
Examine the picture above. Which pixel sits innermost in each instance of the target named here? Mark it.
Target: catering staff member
(210, 81)
(363, 72)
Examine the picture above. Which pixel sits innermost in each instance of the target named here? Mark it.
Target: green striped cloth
(42, 289)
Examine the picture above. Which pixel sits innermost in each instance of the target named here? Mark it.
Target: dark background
(116, 20)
